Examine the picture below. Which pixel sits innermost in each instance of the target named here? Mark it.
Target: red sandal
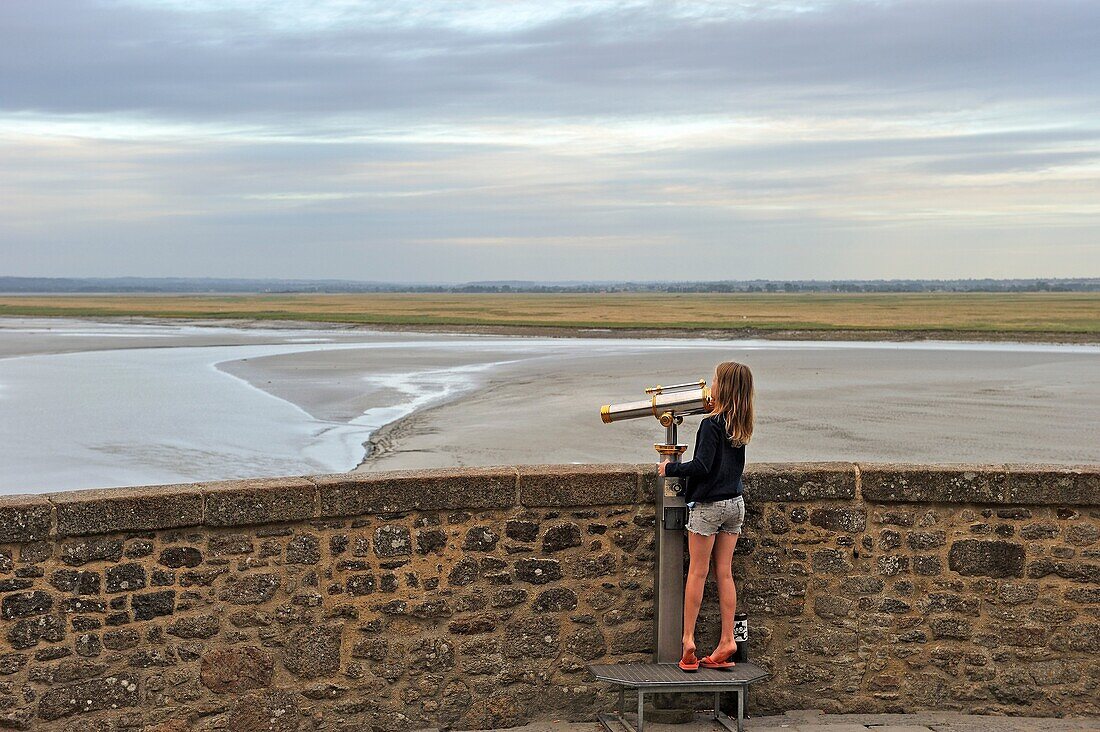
(710, 662)
(689, 667)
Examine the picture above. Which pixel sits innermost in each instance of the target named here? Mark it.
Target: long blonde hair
(732, 394)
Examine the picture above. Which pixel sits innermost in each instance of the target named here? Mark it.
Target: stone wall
(475, 598)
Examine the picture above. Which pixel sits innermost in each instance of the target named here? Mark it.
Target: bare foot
(689, 652)
(724, 651)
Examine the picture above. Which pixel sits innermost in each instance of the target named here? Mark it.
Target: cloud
(81, 57)
(452, 140)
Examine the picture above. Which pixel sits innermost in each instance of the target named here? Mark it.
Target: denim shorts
(708, 519)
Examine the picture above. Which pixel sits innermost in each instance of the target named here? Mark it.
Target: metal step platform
(659, 678)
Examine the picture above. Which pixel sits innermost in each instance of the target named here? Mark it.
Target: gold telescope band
(677, 387)
(605, 413)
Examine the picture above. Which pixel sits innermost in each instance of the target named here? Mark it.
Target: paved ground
(813, 721)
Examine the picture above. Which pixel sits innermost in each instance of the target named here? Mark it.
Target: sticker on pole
(741, 627)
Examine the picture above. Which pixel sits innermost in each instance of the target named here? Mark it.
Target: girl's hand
(661, 467)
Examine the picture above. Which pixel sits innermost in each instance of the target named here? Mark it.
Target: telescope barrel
(695, 400)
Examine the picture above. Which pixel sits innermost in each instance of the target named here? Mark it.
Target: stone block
(1053, 485)
(978, 558)
(354, 494)
(141, 508)
(114, 692)
(774, 596)
(857, 585)
(830, 642)
(949, 627)
(920, 540)
(392, 541)
(1083, 638)
(153, 604)
(248, 502)
(782, 482)
(28, 632)
(125, 578)
(579, 485)
(360, 584)
(432, 654)
(180, 556)
(927, 566)
(236, 669)
(229, 544)
(850, 520)
(432, 609)
(11, 663)
(25, 604)
(945, 602)
(831, 561)
(831, 606)
(88, 645)
(25, 518)
(561, 536)
(314, 651)
(303, 549)
(538, 571)
(121, 640)
(1084, 595)
(1076, 571)
(11, 585)
(200, 626)
(82, 551)
(464, 572)
(1083, 534)
(904, 483)
(508, 597)
(556, 599)
(480, 539)
(139, 548)
(521, 530)
(253, 589)
(1039, 531)
(270, 710)
(76, 581)
(535, 637)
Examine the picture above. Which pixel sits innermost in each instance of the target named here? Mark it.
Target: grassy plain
(1059, 316)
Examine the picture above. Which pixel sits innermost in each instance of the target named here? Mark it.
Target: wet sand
(858, 405)
(815, 401)
(515, 400)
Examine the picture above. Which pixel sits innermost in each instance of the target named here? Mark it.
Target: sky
(458, 140)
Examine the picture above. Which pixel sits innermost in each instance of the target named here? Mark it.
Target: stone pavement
(815, 721)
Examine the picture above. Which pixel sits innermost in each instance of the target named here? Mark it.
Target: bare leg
(699, 548)
(727, 592)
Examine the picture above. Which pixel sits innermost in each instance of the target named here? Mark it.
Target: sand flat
(869, 404)
(149, 403)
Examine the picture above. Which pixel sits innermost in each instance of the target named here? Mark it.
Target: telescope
(668, 405)
(678, 399)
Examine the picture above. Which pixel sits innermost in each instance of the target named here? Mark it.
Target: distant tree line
(182, 285)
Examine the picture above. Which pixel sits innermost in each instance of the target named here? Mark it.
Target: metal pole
(669, 580)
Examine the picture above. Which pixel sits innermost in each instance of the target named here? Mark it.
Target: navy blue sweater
(714, 473)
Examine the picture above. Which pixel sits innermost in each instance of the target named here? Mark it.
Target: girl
(716, 507)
